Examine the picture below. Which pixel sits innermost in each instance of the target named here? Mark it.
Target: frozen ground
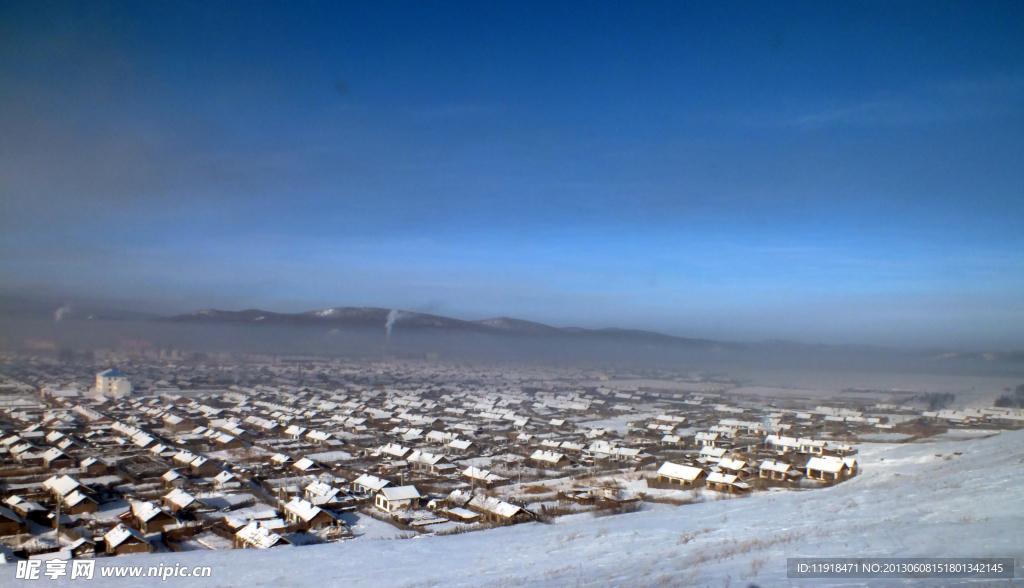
(912, 500)
(970, 390)
(885, 437)
(368, 528)
(206, 541)
(954, 434)
(666, 385)
(619, 423)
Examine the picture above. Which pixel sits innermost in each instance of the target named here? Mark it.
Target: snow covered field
(885, 437)
(911, 500)
(970, 390)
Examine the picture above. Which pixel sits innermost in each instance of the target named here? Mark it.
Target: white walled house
(391, 499)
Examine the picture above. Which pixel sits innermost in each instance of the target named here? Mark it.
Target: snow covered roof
(463, 513)
(371, 482)
(52, 454)
(120, 534)
(24, 505)
(782, 441)
(678, 471)
(832, 465)
(62, 485)
(426, 458)
(75, 497)
(775, 466)
(491, 504)
(258, 536)
(400, 493)
(145, 511)
(394, 450)
(713, 451)
(10, 514)
(732, 464)
(303, 509)
(475, 473)
(548, 456)
(185, 457)
(322, 490)
(180, 498)
(720, 478)
(304, 464)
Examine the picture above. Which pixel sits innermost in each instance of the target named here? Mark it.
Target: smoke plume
(60, 312)
(392, 317)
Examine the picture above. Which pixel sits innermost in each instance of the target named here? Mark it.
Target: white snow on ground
(207, 540)
(885, 437)
(479, 462)
(367, 528)
(619, 422)
(330, 456)
(911, 500)
(953, 434)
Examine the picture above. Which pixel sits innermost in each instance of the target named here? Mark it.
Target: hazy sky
(824, 172)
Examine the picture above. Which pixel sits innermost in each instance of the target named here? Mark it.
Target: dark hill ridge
(111, 321)
(768, 353)
(372, 317)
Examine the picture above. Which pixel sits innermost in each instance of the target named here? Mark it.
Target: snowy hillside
(957, 498)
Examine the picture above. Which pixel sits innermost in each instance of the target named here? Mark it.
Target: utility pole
(57, 526)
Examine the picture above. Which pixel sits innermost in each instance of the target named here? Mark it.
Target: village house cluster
(162, 454)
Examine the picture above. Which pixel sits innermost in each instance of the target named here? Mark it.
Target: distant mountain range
(371, 317)
(348, 318)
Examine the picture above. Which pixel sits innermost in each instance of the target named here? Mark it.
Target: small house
(56, 459)
(150, 518)
(307, 515)
(78, 502)
(256, 536)
(11, 523)
(178, 500)
(674, 474)
(726, 483)
(497, 511)
(549, 460)
(397, 498)
(827, 469)
(122, 539)
(774, 470)
(92, 466)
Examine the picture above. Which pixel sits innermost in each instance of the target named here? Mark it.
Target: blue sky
(816, 172)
